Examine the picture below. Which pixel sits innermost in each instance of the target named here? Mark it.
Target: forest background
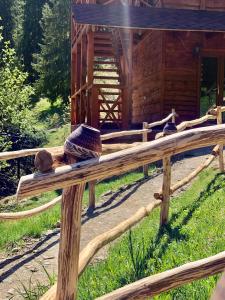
(34, 78)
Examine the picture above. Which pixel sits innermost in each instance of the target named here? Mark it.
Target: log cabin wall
(147, 79)
(181, 75)
(218, 5)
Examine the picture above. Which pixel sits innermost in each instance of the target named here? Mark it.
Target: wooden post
(173, 117)
(91, 186)
(220, 156)
(69, 246)
(145, 139)
(166, 191)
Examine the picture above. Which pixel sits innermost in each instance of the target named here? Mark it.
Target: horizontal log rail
(163, 121)
(31, 212)
(102, 240)
(187, 124)
(117, 134)
(192, 175)
(165, 281)
(122, 161)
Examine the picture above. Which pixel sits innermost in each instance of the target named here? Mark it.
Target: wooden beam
(122, 161)
(165, 281)
(144, 140)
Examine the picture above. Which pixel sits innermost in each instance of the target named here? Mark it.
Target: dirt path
(114, 209)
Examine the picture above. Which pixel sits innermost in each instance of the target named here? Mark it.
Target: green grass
(196, 230)
(13, 233)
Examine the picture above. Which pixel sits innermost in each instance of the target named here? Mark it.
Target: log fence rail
(72, 179)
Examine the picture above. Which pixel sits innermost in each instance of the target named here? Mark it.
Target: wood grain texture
(100, 241)
(144, 140)
(192, 175)
(220, 156)
(31, 212)
(91, 187)
(163, 121)
(162, 282)
(164, 214)
(122, 161)
(69, 245)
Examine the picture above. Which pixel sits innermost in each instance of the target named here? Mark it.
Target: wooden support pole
(174, 115)
(220, 156)
(69, 246)
(91, 187)
(166, 191)
(145, 139)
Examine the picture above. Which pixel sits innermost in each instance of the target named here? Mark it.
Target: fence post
(69, 246)
(91, 187)
(145, 139)
(165, 191)
(220, 121)
(174, 116)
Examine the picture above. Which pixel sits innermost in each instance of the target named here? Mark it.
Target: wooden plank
(122, 161)
(165, 281)
(91, 187)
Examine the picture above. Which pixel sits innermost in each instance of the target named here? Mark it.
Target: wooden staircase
(108, 80)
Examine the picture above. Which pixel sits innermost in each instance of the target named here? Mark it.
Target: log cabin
(132, 61)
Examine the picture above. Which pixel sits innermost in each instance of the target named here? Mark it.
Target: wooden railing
(72, 179)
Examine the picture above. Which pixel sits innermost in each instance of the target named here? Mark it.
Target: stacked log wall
(195, 4)
(147, 79)
(181, 76)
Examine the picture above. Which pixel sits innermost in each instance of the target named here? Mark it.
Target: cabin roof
(149, 18)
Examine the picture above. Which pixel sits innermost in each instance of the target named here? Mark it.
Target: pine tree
(6, 19)
(53, 62)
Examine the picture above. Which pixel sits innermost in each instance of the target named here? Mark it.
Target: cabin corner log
(122, 161)
(192, 175)
(165, 281)
(103, 239)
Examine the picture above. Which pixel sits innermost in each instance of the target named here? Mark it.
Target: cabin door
(212, 82)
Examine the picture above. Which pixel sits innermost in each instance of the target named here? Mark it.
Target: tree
(17, 123)
(53, 62)
(6, 19)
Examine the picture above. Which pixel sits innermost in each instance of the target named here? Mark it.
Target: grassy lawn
(14, 232)
(196, 230)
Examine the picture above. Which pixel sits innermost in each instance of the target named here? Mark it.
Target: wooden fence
(72, 179)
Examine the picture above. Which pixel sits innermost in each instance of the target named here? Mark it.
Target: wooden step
(106, 77)
(105, 70)
(111, 93)
(102, 42)
(104, 54)
(102, 48)
(102, 62)
(105, 35)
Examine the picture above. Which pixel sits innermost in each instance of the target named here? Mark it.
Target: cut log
(164, 214)
(220, 121)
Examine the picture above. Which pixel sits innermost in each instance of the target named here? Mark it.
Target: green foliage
(53, 61)
(195, 230)
(17, 124)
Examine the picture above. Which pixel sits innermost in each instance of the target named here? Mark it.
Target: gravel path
(114, 208)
